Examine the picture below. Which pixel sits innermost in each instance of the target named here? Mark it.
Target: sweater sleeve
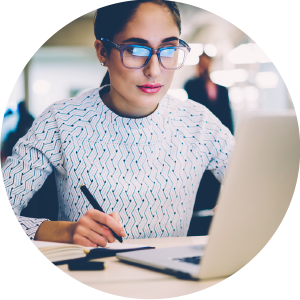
(32, 160)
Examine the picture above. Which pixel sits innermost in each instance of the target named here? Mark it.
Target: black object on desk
(100, 253)
(85, 265)
(96, 205)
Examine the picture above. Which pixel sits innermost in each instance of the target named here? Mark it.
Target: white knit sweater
(148, 170)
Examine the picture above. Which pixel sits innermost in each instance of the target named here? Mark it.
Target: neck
(122, 107)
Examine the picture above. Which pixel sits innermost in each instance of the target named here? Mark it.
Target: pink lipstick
(150, 88)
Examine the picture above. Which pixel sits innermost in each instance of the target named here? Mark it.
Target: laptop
(253, 200)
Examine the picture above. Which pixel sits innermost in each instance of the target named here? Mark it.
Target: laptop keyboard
(192, 260)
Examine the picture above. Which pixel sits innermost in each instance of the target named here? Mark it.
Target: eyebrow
(142, 41)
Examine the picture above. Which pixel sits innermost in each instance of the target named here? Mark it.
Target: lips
(150, 85)
(150, 88)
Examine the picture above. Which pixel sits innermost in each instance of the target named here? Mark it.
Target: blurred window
(60, 72)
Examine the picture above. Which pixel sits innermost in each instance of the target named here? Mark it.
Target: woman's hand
(92, 229)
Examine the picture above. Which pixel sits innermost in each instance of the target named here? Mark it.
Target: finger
(81, 240)
(91, 229)
(88, 232)
(97, 238)
(116, 216)
(108, 221)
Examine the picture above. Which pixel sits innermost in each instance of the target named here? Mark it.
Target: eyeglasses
(136, 56)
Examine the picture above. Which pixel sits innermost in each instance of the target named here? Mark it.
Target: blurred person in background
(24, 123)
(215, 97)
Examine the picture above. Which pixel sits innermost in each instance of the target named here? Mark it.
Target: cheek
(125, 80)
(168, 78)
(122, 77)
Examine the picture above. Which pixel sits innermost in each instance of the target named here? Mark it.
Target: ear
(101, 51)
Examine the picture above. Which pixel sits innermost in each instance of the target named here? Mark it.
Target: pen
(96, 205)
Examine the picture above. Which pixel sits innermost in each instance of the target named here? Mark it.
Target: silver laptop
(255, 196)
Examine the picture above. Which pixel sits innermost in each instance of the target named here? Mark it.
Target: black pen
(96, 205)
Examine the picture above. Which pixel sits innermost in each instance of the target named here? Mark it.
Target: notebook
(60, 253)
(257, 191)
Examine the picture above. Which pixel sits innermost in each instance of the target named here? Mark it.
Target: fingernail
(123, 234)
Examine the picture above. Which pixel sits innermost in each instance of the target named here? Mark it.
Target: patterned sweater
(147, 169)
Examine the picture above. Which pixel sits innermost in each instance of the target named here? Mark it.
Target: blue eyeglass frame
(184, 46)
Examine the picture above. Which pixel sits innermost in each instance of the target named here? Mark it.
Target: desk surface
(131, 281)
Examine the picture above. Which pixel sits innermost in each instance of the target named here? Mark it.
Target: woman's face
(152, 26)
(204, 65)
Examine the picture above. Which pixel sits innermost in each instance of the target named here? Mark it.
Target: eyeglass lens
(171, 58)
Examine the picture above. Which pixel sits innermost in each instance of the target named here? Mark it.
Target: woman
(140, 152)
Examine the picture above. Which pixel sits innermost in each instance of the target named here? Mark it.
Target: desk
(131, 281)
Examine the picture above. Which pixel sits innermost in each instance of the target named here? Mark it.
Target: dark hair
(112, 19)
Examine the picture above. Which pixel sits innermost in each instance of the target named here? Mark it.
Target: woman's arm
(32, 161)
(56, 231)
(91, 229)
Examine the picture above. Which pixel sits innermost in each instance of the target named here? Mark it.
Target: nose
(153, 67)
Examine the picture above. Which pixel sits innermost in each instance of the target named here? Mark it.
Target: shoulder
(191, 82)
(222, 88)
(85, 101)
(191, 116)
(187, 108)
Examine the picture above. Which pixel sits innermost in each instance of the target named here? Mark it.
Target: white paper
(112, 246)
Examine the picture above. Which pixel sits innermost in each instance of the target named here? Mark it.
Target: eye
(137, 51)
(168, 52)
